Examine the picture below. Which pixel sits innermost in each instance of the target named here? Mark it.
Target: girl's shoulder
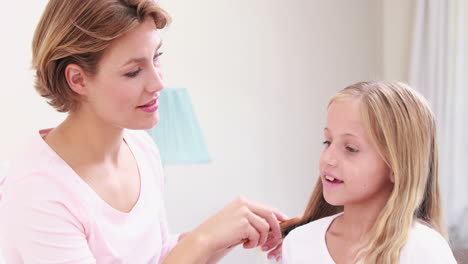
(315, 227)
(426, 245)
(306, 243)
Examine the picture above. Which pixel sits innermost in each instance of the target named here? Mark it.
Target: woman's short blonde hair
(78, 32)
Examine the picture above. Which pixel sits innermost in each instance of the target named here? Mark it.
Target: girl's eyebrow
(345, 134)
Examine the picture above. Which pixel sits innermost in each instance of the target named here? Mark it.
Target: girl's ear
(75, 76)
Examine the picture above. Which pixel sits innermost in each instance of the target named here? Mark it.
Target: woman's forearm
(192, 249)
(218, 256)
(241, 220)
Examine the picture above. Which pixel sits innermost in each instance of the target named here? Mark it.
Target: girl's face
(125, 89)
(351, 169)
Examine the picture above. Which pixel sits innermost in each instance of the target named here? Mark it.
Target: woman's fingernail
(264, 248)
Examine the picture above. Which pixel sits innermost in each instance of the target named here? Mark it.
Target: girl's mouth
(332, 179)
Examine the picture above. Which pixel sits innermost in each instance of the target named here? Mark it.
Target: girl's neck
(359, 218)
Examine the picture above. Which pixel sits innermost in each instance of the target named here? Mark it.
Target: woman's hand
(241, 221)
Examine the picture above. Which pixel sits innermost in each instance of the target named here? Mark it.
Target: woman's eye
(156, 57)
(133, 73)
(350, 149)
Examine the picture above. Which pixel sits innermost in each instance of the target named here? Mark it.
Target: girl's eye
(327, 143)
(133, 73)
(350, 149)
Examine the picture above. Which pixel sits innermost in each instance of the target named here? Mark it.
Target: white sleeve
(286, 251)
(427, 246)
(441, 254)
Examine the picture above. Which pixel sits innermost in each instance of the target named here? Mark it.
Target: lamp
(178, 134)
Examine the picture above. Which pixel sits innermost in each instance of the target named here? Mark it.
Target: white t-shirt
(306, 244)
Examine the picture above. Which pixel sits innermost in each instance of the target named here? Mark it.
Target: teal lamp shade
(178, 134)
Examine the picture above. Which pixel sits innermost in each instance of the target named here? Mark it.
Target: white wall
(260, 74)
(260, 78)
(22, 110)
(397, 29)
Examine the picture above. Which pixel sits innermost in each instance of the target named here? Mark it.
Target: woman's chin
(143, 125)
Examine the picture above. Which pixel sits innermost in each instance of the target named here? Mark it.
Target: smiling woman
(90, 189)
(87, 30)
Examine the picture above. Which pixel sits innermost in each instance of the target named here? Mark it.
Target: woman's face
(125, 89)
(352, 171)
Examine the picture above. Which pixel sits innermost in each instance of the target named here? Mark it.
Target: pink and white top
(48, 214)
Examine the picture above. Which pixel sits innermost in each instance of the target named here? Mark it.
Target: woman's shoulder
(33, 183)
(426, 245)
(38, 176)
(35, 164)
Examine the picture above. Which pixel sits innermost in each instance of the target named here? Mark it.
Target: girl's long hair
(402, 128)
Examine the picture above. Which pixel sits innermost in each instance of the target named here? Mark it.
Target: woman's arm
(241, 220)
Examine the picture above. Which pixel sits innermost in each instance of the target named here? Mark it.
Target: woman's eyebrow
(140, 59)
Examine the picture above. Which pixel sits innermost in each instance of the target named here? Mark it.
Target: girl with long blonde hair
(377, 199)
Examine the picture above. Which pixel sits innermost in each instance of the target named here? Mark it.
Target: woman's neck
(86, 137)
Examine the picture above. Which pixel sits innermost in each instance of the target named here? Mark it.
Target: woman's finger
(270, 216)
(276, 253)
(271, 242)
(262, 227)
(280, 216)
(252, 236)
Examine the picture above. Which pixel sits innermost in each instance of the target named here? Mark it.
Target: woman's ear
(75, 77)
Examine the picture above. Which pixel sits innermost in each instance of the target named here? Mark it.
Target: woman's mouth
(150, 107)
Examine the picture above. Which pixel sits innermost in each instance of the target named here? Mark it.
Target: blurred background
(260, 74)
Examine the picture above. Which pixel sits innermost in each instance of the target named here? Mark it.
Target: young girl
(377, 199)
(90, 189)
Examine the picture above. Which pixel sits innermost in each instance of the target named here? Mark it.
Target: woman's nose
(155, 83)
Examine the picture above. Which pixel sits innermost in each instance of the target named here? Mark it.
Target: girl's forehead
(345, 118)
(345, 112)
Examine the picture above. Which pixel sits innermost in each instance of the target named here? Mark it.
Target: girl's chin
(332, 201)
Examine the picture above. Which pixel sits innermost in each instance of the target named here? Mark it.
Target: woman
(90, 190)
